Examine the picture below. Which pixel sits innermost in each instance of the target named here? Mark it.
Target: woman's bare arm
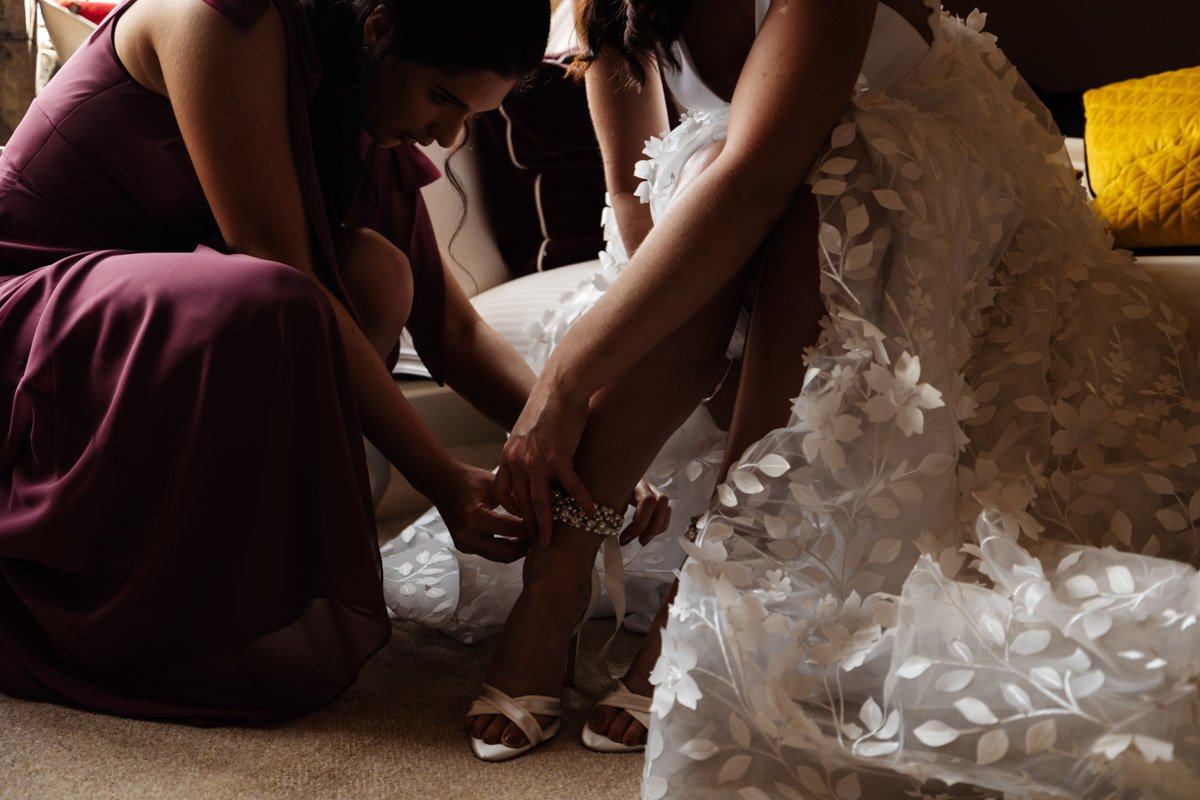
(624, 118)
(481, 365)
(798, 76)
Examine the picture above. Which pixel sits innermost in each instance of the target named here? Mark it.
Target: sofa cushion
(542, 173)
(93, 12)
(1143, 154)
(464, 233)
(512, 309)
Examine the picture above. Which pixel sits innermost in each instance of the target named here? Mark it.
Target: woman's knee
(203, 305)
(251, 285)
(243, 302)
(379, 279)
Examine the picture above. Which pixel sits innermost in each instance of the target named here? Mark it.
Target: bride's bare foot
(618, 724)
(532, 656)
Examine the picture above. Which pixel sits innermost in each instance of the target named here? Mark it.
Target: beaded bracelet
(605, 522)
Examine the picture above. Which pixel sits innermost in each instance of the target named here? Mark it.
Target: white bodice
(894, 49)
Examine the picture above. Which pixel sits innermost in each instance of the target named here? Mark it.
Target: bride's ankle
(547, 570)
(567, 593)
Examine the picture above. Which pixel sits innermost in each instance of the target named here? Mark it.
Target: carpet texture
(398, 733)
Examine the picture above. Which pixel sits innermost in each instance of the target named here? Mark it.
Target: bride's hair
(637, 30)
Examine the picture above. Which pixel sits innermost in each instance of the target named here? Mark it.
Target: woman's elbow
(762, 186)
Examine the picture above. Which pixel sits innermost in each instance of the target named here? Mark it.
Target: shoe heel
(572, 660)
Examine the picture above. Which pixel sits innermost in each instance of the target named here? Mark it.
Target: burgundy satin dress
(186, 529)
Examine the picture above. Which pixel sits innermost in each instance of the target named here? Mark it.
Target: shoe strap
(638, 705)
(518, 710)
(614, 582)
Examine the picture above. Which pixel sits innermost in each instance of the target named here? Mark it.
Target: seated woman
(954, 538)
(204, 267)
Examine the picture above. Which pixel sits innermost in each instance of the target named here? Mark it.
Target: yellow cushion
(1143, 158)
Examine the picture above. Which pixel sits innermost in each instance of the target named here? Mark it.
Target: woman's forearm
(388, 419)
(624, 117)
(797, 78)
(488, 373)
(710, 235)
(633, 219)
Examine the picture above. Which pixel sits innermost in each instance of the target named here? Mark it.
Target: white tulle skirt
(969, 556)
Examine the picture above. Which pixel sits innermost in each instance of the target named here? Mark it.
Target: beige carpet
(397, 733)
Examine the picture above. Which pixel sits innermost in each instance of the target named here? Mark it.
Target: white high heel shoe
(637, 706)
(520, 710)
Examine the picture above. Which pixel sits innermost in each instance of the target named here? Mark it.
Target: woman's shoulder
(242, 13)
(160, 36)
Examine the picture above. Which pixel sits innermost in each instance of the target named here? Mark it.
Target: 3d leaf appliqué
(914, 667)
(699, 749)
(1030, 642)
(992, 747)
(1041, 736)
(935, 733)
(955, 680)
(1017, 697)
(976, 711)
(734, 768)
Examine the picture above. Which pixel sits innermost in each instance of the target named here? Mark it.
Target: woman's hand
(539, 451)
(651, 516)
(464, 498)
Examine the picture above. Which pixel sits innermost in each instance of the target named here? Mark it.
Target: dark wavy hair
(507, 37)
(635, 29)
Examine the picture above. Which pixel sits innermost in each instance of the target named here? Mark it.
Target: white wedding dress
(969, 557)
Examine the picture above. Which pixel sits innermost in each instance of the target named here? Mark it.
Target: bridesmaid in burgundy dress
(210, 238)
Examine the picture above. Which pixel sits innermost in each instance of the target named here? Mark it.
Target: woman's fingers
(520, 493)
(502, 486)
(659, 521)
(643, 511)
(574, 486)
(504, 551)
(493, 534)
(652, 514)
(539, 496)
(500, 523)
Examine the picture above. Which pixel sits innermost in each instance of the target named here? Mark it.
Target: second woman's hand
(464, 497)
(540, 452)
(651, 516)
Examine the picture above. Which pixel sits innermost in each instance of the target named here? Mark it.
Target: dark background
(1064, 47)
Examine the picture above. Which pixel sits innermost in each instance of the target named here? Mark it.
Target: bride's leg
(784, 319)
(628, 423)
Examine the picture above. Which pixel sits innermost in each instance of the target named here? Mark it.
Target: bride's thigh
(785, 318)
